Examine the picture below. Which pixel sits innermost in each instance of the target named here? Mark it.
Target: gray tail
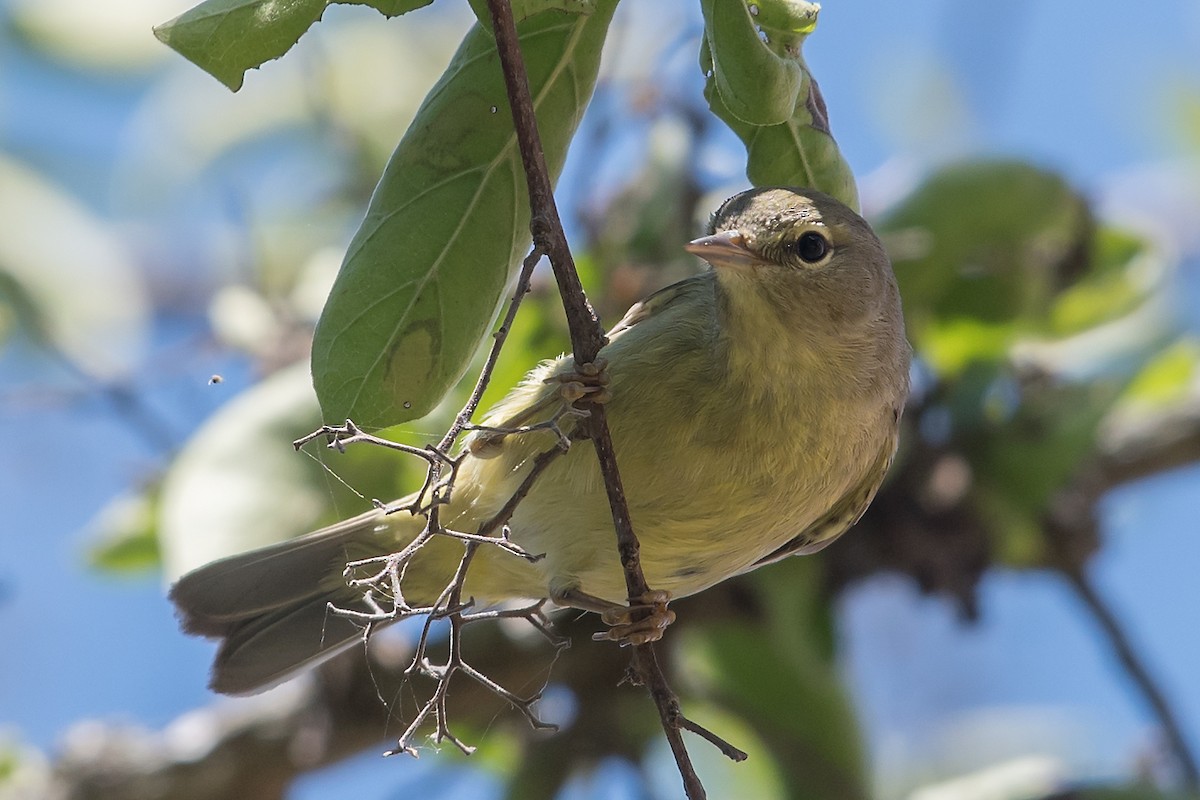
(270, 606)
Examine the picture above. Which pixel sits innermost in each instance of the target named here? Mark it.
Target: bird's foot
(623, 628)
(589, 380)
(627, 631)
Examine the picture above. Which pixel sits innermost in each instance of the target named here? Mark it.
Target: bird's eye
(812, 247)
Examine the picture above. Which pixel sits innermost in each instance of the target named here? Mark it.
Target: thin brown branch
(1139, 673)
(587, 338)
(1131, 447)
(587, 334)
(384, 578)
(729, 751)
(450, 606)
(340, 436)
(463, 420)
(502, 516)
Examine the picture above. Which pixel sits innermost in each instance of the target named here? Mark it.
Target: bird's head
(802, 253)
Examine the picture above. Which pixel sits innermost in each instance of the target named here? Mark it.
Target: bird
(754, 409)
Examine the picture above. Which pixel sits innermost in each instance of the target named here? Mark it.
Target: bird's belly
(702, 511)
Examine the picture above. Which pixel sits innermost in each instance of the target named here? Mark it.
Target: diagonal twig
(1138, 672)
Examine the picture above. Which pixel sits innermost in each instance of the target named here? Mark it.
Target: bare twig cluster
(381, 579)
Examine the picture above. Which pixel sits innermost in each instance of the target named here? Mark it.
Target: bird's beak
(724, 249)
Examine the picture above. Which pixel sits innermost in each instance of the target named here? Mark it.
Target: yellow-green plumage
(754, 413)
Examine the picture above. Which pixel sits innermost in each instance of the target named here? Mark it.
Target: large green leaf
(523, 9)
(447, 223)
(227, 37)
(750, 83)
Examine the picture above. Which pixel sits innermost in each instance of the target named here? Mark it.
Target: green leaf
(785, 22)
(227, 37)
(126, 539)
(523, 9)
(447, 223)
(952, 345)
(1167, 378)
(756, 85)
(990, 241)
(1021, 462)
(1114, 286)
(799, 150)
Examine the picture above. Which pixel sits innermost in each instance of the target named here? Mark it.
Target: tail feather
(263, 651)
(270, 606)
(214, 598)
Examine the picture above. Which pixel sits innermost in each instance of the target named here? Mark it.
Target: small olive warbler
(754, 411)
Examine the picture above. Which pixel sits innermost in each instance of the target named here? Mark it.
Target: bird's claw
(627, 631)
(589, 380)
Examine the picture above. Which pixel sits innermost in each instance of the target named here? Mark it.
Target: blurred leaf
(227, 37)
(10, 761)
(1167, 378)
(979, 398)
(1109, 290)
(66, 279)
(126, 538)
(952, 345)
(238, 483)
(25, 772)
(1022, 463)
(992, 242)
(90, 35)
(798, 151)
(448, 221)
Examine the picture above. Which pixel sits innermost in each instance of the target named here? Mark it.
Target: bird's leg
(623, 629)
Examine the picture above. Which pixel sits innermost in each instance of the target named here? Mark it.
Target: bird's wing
(537, 398)
(841, 516)
(656, 303)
